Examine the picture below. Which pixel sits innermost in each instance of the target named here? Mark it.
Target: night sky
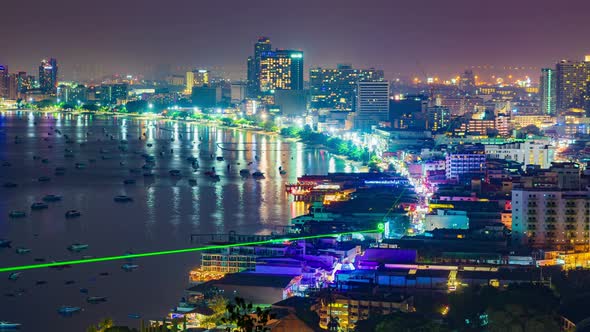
(407, 37)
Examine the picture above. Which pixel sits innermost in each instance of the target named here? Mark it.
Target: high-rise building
(190, 81)
(467, 82)
(335, 88)
(48, 76)
(23, 83)
(281, 70)
(111, 94)
(12, 87)
(196, 78)
(547, 91)
(571, 84)
(468, 163)
(237, 92)
(372, 104)
(262, 45)
(4, 81)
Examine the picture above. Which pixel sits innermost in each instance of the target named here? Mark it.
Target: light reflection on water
(165, 210)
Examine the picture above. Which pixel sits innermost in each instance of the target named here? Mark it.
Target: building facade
(48, 76)
(547, 91)
(529, 152)
(372, 104)
(280, 70)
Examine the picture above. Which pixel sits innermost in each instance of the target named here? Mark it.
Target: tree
(218, 305)
(528, 130)
(137, 106)
(246, 318)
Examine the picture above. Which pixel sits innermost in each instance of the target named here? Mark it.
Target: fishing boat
(39, 206)
(51, 198)
(122, 198)
(9, 326)
(22, 251)
(73, 214)
(65, 310)
(70, 282)
(282, 172)
(220, 158)
(134, 316)
(129, 267)
(129, 181)
(77, 247)
(14, 275)
(96, 299)
(17, 214)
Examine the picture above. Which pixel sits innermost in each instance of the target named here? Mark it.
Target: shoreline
(361, 168)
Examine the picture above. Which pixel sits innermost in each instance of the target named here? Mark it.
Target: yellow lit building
(281, 70)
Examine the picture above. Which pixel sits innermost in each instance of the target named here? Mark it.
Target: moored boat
(17, 214)
(122, 199)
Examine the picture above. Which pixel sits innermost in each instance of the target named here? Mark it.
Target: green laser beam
(177, 251)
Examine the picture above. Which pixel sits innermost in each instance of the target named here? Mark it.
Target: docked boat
(22, 251)
(17, 214)
(39, 206)
(14, 275)
(258, 175)
(43, 179)
(96, 299)
(129, 267)
(77, 247)
(129, 181)
(123, 198)
(73, 214)
(65, 310)
(51, 198)
(10, 185)
(134, 316)
(149, 145)
(9, 326)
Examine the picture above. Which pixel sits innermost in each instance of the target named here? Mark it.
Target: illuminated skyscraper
(196, 78)
(571, 83)
(48, 76)
(547, 91)
(4, 77)
(467, 82)
(336, 88)
(281, 70)
(372, 104)
(262, 45)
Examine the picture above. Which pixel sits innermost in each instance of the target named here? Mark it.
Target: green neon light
(173, 252)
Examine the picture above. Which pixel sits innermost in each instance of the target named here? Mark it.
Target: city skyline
(420, 38)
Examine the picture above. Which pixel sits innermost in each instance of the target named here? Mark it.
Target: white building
(372, 104)
(529, 152)
(447, 219)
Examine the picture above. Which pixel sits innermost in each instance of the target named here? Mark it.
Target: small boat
(17, 214)
(10, 185)
(283, 172)
(66, 310)
(80, 166)
(210, 173)
(9, 326)
(258, 174)
(244, 172)
(22, 251)
(129, 267)
(43, 179)
(191, 159)
(77, 247)
(219, 158)
(60, 267)
(36, 157)
(14, 275)
(123, 198)
(106, 157)
(149, 145)
(41, 282)
(5, 243)
(175, 172)
(129, 181)
(73, 214)
(69, 282)
(45, 161)
(134, 316)
(96, 299)
(192, 182)
(84, 290)
(6, 164)
(52, 198)
(39, 206)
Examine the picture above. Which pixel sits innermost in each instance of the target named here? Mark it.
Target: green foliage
(290, 132)
(90, 107)
(137, 106)
(45, 103)
(228, 121)
(246, 318)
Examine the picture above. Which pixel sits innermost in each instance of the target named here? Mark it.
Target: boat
(149, 145)
(134, 316)
(10, 185)
(22, 251)
(77, 247)
(129, 267)
(96, 299)
(73, 214)
(244, 172)
(43, 179)
(9, 326)
(45, 161)
(65, 310)
(215, 177)
(122, 198)
(39, 206)
(17, 214)
(175, 172)
(80, 165)
(5, 243)
(219, 158)
(41, 282)
(258, 174)
(129, 181)
(148, 174)
(282, 172)
(84, 290)
(70, 282)
(105, 157)
(192, 182)
(210, 173)
(52, 198)
(14, 275)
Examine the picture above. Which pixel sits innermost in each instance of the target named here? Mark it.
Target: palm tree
(105, 324)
